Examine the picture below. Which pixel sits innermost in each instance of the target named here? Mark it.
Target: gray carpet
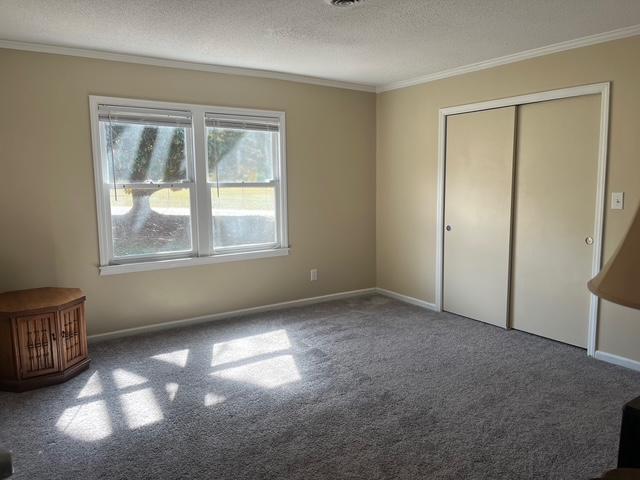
(363, 388)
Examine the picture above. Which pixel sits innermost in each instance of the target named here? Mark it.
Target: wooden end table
(43, 337)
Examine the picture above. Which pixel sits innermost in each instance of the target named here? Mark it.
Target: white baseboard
(406, 299)
(617, 360)
(224, 315)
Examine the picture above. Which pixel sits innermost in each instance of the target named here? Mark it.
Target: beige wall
(337, 216)
(48, 216)
(407, 132)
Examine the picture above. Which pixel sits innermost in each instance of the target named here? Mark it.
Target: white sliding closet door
(555, 201)
(478, 198)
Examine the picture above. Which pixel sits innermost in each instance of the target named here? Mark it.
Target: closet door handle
(448, 228)
(588, 241)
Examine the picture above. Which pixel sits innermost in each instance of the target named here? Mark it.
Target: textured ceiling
(376, 42)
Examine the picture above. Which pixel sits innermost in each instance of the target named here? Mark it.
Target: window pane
(150, 221)
(141, 153)
(243, 216)
(240, 155)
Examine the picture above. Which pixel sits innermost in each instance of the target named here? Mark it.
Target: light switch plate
(617, 200)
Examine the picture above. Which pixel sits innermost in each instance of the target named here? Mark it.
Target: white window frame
(201, 219)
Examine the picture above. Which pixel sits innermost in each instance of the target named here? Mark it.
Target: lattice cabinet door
(72, 335)
(38, 344)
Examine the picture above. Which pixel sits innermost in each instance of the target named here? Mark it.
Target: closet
(519, 202)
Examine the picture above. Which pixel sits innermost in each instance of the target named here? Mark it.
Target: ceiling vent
(343, 3)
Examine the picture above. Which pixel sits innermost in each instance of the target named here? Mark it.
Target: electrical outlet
(617, 200)
(313, 274)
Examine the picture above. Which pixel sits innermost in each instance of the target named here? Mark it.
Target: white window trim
(165, 263)
(201, 217)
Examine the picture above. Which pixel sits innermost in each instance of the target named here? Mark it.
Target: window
(184, 185)
(242, 156)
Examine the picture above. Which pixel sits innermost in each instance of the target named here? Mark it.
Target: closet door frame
(602, 89)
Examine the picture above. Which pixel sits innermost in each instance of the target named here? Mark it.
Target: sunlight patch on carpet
(179, 357)
(270, 373)
(247, 347)
(88, 422)
(125, 378)
(140, 408)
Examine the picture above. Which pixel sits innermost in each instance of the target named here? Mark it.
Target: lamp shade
(619, 280)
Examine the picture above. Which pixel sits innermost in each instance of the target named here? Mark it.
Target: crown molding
(516, 57)
(162, 62)
(250, 72)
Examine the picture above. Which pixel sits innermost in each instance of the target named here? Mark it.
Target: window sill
(190, 262)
